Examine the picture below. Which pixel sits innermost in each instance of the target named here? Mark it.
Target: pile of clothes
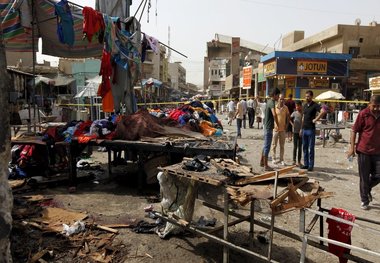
(29, 160)
(195, 115)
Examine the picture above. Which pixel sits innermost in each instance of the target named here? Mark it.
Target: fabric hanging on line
(340, 232)
(93, 24)
(110, 23)
(65, 23)
(153, 43)
(112, 7)
(105, 90)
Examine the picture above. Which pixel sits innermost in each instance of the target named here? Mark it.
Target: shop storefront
(296, 72)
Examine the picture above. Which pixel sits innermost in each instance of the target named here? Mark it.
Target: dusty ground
(118, 201)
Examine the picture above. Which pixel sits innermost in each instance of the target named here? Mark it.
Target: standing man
(251, 108)
(290, 103)
(239, 115)
(312, 112)
(269, 121)
(231, 111)
(244, 106)
(367, 124)
(279, 133)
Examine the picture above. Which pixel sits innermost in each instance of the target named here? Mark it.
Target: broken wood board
(55, 217)
(209, 176)
(14, 184)
(284, 194)
(282, 173)
(234, 167)
(36, 198)
(243, 195)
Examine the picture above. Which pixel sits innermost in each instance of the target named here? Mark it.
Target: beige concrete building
(156, 66)
(362, 42)
(178, 76)
(226, 56)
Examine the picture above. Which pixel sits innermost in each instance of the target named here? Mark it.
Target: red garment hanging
(92, 22)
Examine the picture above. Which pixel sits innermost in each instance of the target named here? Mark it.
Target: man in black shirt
(312, 112)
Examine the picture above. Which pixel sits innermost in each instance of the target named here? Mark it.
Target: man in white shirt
(231, 111)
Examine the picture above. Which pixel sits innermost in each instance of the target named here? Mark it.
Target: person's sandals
(268, 169)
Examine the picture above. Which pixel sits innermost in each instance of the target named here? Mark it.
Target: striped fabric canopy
(17, 36)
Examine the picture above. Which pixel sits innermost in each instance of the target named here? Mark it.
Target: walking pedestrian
(279, 131)
(269, 121)
(367, 125)
(244, 107)
(239, 115)
(251, 108)
(311, 113)
(296, 121)
(231, 111)
(291, 107)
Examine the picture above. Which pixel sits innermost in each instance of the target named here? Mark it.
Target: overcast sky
(194, 22)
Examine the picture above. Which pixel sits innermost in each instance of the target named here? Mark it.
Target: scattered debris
(77, 227)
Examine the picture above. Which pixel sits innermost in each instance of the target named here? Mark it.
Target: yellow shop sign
(270, 69)
(311, 66)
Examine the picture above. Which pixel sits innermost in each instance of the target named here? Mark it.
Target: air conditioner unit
(335, 85)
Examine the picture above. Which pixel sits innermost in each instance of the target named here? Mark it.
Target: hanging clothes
(153, 43)
(92, 24)
(65, 23)
(110, 25)
(105, 90)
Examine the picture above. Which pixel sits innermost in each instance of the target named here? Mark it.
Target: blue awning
(306, 55)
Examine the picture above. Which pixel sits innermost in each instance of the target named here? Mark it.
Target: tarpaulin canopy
(57, 81)
(151, 81)
(88, 91)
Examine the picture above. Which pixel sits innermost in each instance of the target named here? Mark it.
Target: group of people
(289, 119)
(239, 110)
(303, 119)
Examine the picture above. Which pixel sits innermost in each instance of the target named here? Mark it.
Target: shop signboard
(270, 69)
(374, 83)
(247, 77)
(311, 67)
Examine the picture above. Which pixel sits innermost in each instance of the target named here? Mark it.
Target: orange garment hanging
(107, 102)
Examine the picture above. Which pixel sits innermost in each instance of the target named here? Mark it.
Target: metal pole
(34, 74)
(272, 219)
(252, 224)
(321, 226)
(225, 229)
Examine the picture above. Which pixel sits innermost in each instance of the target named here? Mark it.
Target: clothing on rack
(65, 23)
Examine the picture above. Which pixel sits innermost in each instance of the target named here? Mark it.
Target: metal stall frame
(321, 215)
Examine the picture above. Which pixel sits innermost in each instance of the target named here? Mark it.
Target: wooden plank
(265, 176)
(105, 228)
(281, 197)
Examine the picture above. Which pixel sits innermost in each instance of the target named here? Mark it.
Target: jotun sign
(311, 67)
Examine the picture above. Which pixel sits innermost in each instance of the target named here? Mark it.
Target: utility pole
(5, 150)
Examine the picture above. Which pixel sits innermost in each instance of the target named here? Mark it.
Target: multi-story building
(226, 56)
(178, 76)
(155, 65)
(80, 69)
(362, 42)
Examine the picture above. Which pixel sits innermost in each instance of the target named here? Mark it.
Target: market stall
(284, 190)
